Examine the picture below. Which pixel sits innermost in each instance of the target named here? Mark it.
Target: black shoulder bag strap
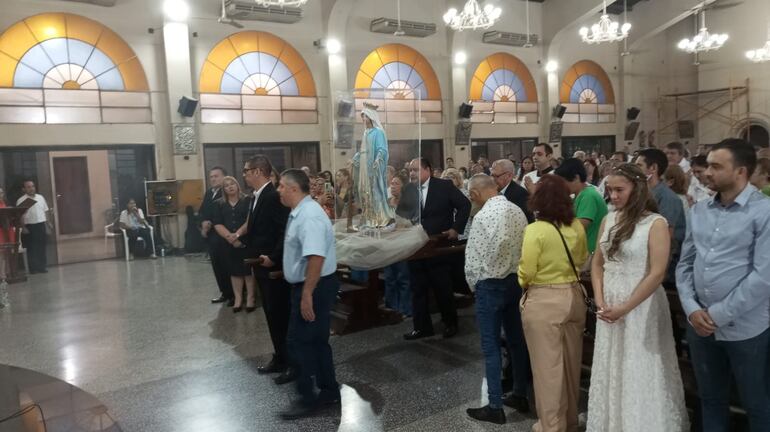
(588, 300)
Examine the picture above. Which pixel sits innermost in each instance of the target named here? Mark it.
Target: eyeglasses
(245, 170)
(498, 175)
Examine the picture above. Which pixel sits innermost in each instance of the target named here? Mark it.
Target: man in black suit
(264, 238)
(503, 173)
(445, 210)
(215, 243)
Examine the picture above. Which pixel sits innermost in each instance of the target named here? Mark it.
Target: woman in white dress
(635, 380)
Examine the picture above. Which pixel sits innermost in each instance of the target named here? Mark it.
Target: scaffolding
(710, 104)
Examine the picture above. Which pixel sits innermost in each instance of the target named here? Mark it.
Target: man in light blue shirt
(723, 279)
(309, 265)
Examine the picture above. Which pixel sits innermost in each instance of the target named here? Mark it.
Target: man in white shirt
(491, 263)
(33, 236)
(675, 153)
(698, 191)
(542, 155)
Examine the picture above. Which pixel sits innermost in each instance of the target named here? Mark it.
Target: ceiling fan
(224, 19)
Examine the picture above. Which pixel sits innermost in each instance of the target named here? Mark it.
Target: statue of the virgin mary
(370, 173)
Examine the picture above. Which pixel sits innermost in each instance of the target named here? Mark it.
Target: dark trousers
(432, 273)
(308, 341)
(748, 361)
(141, 248)
(218, 255)
(276, 303)
(34, 241)
(497, 306)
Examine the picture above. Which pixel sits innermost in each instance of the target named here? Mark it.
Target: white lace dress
(635, 380)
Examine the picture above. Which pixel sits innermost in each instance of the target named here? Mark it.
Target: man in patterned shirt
(491, 262)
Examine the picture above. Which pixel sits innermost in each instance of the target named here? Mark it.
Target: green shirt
(766, 190)
(590, 205)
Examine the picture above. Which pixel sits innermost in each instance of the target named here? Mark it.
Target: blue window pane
(111, 80)
(488, 91)
(423, 92)
(281, 73)
(230, 85)
(99, 63)
(25, 77)
(381, 78)
(501, 77)
(36, 59)
(574, 94)
(79, 52)
(267, 63)
(518, 88)
(404, 71)
(600, 96)
(392, 70)
(251, 62)
(415, 80)
(289, 87)
(237, 71)
(56, 50)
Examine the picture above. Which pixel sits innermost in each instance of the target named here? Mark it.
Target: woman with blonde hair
(230, 222)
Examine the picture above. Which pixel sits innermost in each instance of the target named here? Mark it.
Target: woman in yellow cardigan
(553, 310)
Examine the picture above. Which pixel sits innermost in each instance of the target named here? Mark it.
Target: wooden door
(73, 195)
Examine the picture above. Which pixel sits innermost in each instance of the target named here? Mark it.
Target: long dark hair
(521, 166)
(640, 204)
(551, 201)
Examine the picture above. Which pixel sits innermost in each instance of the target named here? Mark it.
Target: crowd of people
(536, 230)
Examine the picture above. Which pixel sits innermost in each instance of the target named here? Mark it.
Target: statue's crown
(371, 106)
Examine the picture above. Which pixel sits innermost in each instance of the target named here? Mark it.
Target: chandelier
(472, 17)
(703, 41)
(760, 55)
(605, 30)
(281, 3)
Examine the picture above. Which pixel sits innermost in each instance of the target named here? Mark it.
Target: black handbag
(590, 303)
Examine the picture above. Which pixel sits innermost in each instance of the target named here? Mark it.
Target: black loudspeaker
(686, 129)
(632, 113)
(465, 111)
(344, 109)
(631, 130)
(558, 111)
(187, 107)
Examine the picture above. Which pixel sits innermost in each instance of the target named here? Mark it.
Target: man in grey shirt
(723, 279)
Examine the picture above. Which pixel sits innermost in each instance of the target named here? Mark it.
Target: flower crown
(630, 175)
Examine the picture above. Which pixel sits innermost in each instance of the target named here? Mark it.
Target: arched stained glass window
(65, 68)
(402, 77)
(587, 93)
(503, 91)
(274, 82)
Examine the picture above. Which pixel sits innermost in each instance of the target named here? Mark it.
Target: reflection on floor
(48, 404)
(144, 339)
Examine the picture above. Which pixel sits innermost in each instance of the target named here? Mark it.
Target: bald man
(491, 263)
(503, 173)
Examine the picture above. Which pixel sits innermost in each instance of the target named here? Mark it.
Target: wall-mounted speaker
(187, 106)
(465, 111)
(558, 111)
(632, 113)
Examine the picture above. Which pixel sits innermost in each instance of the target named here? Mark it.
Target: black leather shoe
(237, 309)
(289, 375)
(329, 398)
(299, 410)
(417, 334)
(220, 299)
(250, 309)
(519, 403)
(487, 414)
(230, 302)
(275, 366)
(450, 331)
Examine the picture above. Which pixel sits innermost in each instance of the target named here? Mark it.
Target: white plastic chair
(108, 233)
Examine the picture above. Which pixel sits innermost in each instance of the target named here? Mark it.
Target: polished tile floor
(143, 339)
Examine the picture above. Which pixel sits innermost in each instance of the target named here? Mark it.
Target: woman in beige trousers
(553, 310)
